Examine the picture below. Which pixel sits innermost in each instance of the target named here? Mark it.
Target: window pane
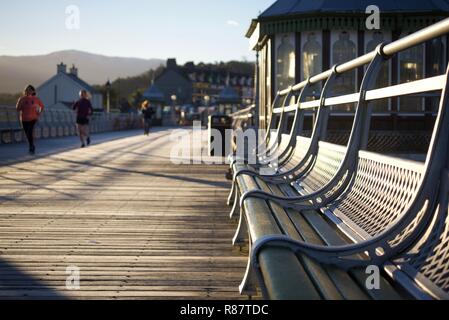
(285, 61)
(437, 65)
(312, 59)
(344, 50)
(411, 68)
(383, 79)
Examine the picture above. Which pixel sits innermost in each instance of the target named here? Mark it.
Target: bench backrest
(299, 153)
(327, 162)
(427, 263)
(284, 143)
(381, 189)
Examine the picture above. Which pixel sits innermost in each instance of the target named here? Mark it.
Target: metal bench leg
(231, 194)
(242, 231)
(235, 207)
(248, 286)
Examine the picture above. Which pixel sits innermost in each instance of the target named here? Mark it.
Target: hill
(95, 69)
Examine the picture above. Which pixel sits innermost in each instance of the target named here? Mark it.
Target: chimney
(62, 68)
(171, 64)
(74, 71)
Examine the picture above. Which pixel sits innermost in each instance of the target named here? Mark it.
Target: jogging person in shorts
(147, 112)
(30, 107)
(84, 111)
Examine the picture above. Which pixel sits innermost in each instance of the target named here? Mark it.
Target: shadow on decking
(16, 284)
(152, 174)
(39, 186)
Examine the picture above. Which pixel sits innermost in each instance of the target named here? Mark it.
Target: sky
(190, 30)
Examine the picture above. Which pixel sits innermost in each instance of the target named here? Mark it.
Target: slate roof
(74, 78)
(81, 82)
(295, 7)
(154, 94)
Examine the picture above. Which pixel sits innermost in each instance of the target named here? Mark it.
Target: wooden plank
(137, 226)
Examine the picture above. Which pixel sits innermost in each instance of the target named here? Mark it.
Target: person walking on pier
(147, 112)
(84, 111)
(30, 107)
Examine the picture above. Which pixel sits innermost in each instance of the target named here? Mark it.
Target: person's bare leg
(81, 134)
(87, 133)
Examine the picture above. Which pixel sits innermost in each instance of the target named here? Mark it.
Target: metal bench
(375, 210)
(285, 158)
(273, 145)
(313, 164)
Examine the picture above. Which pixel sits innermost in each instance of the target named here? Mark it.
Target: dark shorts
(82, 121)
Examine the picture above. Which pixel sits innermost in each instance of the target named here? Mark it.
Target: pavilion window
(411, 68)
(285, 61)
(383, 79)
(268, 78)
(263, 84)
(437, 65)
(312, 59)
(344, 49)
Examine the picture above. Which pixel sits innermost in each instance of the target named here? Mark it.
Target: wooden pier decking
(134, 224)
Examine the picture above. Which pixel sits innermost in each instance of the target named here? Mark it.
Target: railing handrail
(419, 37)
(419, 86)
(244, 113)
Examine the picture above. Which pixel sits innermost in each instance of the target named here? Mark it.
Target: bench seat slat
(331, 282)
(331, 236)
(317, 273)
(275, 264)
(326, 279)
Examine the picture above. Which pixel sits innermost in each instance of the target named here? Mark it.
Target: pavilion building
(296, 39)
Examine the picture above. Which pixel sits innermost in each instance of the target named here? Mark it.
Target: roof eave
(252, 28)
(324, 14)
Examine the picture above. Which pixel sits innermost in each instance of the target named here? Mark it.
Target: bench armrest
(306, 202)
(374, 251)
(344, 257)
(253, 173)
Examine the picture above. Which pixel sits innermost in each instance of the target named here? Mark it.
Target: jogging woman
(84, 111)
(30, 107)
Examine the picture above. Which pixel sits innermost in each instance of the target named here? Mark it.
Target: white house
(62, 90)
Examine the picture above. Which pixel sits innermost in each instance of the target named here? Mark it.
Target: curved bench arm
(296, 125)
(273, 178)
(286, 202)
(271, 149)
(374, 251)
(281, 176)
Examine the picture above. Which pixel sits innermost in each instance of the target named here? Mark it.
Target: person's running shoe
(88, 141)
(83, 146)
(32, 150)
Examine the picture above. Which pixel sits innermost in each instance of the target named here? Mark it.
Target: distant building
(62, 90)
(296, 39)
(202, 85)
(174, 82)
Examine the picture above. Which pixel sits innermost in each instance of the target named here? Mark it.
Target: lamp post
(108, 96)
(172, 114)
(206, 101)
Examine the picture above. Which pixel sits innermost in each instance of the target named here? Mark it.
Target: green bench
(315, 232)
